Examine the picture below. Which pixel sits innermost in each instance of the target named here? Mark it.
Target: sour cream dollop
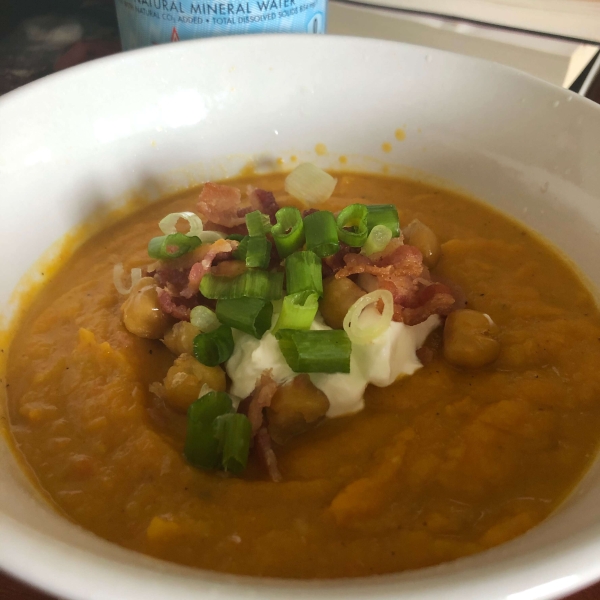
(387, 358)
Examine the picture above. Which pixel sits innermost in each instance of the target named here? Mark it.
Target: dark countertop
(38, 38)
(34, 44)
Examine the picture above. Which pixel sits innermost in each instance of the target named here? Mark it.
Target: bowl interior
(153, 121)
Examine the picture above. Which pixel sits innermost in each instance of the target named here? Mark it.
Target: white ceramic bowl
(159, 119)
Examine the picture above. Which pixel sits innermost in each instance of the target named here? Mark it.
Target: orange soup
(474, 447)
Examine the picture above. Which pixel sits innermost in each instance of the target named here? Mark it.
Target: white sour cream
(387, 358)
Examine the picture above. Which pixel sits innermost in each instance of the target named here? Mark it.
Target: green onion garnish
(321, 233)
(298, 311)
(201, 446)
(258, 252)
(172, 246)
(233, 432)
(214, 347)
(352, 225)
(204, 319)
(250, 315)
(325, 351)
(288, 232)
(238, 237)
(378, 239)
(251, 284)
(257, 223)
(303, 273)
(242, 250)
(384, 214)
(168, 225)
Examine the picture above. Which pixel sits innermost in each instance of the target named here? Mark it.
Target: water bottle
(150, 22)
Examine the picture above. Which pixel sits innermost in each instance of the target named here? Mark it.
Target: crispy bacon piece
(358, 263)
(265, 451)
(179, 308)
(261, 398)
(405, 260)
(173, 279)
(253, 407)
(434, 299)
(459, 295)
(263, 201)
(399, 269)
(221, 204)
(199, 269)
(332, 264)
(404, 289)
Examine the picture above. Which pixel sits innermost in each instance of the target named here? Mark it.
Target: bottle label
(148, 22)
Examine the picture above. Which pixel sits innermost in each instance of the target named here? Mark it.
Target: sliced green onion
(257, 223)
(321, 233)
(233, 433)
(214, 347)
(204, 319)
(310, 184)
(258, 252)
(364, 328)
(298, 311)
(355, 218)
(238, 237)
(288, 232)
(250, 315)
(168, 225)
(172, 246)
(384, 214)
(118, 271)
(240, 252)
(252, 284)
(201, 446)
(378, 239)
(304, 273)
(324, 351)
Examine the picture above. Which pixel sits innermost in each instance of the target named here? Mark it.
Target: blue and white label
(149, 22)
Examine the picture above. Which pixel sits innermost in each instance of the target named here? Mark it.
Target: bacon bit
(406, 260)
(179, 310)
(173, 279)
(261, 398)
(399, 269)
(335, 262)
(455, 289)
(265, 450)
(200, 269)
(220, 204)
(263, 201)
(358, 263)
(435, 299)
(404, 289)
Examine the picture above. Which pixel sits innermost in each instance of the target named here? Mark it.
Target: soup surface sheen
(441, 464)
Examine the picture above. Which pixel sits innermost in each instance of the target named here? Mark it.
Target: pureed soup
(385, 394)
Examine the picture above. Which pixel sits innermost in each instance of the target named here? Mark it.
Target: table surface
(89, 30)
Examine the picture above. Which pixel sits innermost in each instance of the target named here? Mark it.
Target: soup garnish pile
(305, 376)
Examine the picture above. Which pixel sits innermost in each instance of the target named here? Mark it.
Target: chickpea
(142, 315)
(469, 339)
(295, 408)
(180, 338)
(185, 379)
(338, 296)
(419, 235)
